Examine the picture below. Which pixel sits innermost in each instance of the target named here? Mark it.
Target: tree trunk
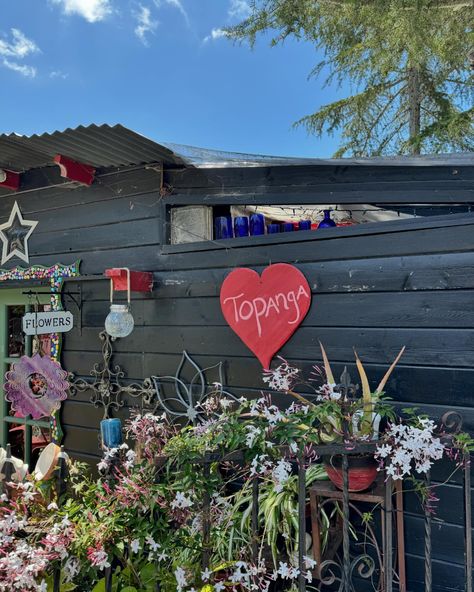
(414, 106)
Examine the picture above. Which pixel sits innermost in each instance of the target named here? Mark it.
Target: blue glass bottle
(241, 226)
(304, 224)
(111, 432)
(257, 224)
(273, 228)
(327, 222)
(287, 227)
(223, 227)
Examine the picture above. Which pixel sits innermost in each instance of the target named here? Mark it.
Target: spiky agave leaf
(366, 394)
(327, 367)
(383, 382)
(366, 423)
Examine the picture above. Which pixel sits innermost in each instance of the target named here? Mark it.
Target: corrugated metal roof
(97, 145)
(105, 146)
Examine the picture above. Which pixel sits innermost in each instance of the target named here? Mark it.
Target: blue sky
(160, 67)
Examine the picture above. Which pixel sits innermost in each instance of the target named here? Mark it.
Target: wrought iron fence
(343, 572)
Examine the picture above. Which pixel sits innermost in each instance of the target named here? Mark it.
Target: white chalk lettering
(260, 307)
(234, 298)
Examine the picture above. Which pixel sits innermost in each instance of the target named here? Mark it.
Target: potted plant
(151, 525)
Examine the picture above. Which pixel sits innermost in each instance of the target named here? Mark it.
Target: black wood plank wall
(376, 287)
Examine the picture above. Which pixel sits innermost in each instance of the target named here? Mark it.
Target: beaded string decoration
(55, 274)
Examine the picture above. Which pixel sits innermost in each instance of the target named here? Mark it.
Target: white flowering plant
(143, 517)
(406, 443)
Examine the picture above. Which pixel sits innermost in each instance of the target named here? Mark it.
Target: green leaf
(148, 572)
(100, 586)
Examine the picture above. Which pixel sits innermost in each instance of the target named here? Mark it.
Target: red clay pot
(362, 471)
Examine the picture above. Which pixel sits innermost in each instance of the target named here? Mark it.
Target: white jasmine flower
(225, 403)
(102, 466)
(206, 574)
(181, 501)
(71, 568)
(252, 434)
(283, 570)
(151, 542)
(409, 447)
(281, 378)
(180, 576)
(280, 474)
(135, 546)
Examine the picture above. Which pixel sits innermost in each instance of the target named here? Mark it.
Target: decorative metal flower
(36, 386)
(185, 399)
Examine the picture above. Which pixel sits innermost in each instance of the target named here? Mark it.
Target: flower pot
(362, 471)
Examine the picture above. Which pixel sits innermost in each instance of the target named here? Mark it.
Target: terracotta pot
(362, 471)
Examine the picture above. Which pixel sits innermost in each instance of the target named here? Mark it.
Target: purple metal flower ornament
(36, 386)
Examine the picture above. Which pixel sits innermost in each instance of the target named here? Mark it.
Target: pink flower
(98, 557)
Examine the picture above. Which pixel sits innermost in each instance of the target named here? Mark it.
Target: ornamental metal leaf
(184, 399)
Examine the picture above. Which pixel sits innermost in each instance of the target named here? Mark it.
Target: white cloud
(92, 10)
(28, 71)
(58, 74)
(18, 48)
(178, 4)
(145, 24)
(239, 9)
(215, 34)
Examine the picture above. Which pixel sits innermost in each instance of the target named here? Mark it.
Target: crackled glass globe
(119, 321)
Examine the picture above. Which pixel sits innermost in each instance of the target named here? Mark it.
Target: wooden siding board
(429, 347)
(426, 272)
(130, 183)
(94, 262)
(447, 576)
(309, 176)
(438, 385)
(427, 193)
(449, 271)
(101, 237)
(441, 309)
(111, 211)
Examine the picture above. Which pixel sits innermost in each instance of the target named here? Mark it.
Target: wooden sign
(38, 323)
(265, 310)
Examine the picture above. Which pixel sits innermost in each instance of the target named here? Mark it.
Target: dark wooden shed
(376, 286)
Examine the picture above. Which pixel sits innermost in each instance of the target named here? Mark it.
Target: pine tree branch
(381, 114)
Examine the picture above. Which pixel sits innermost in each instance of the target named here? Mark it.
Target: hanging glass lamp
(119, 322)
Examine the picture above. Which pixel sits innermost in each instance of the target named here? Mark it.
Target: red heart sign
(265, 310)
